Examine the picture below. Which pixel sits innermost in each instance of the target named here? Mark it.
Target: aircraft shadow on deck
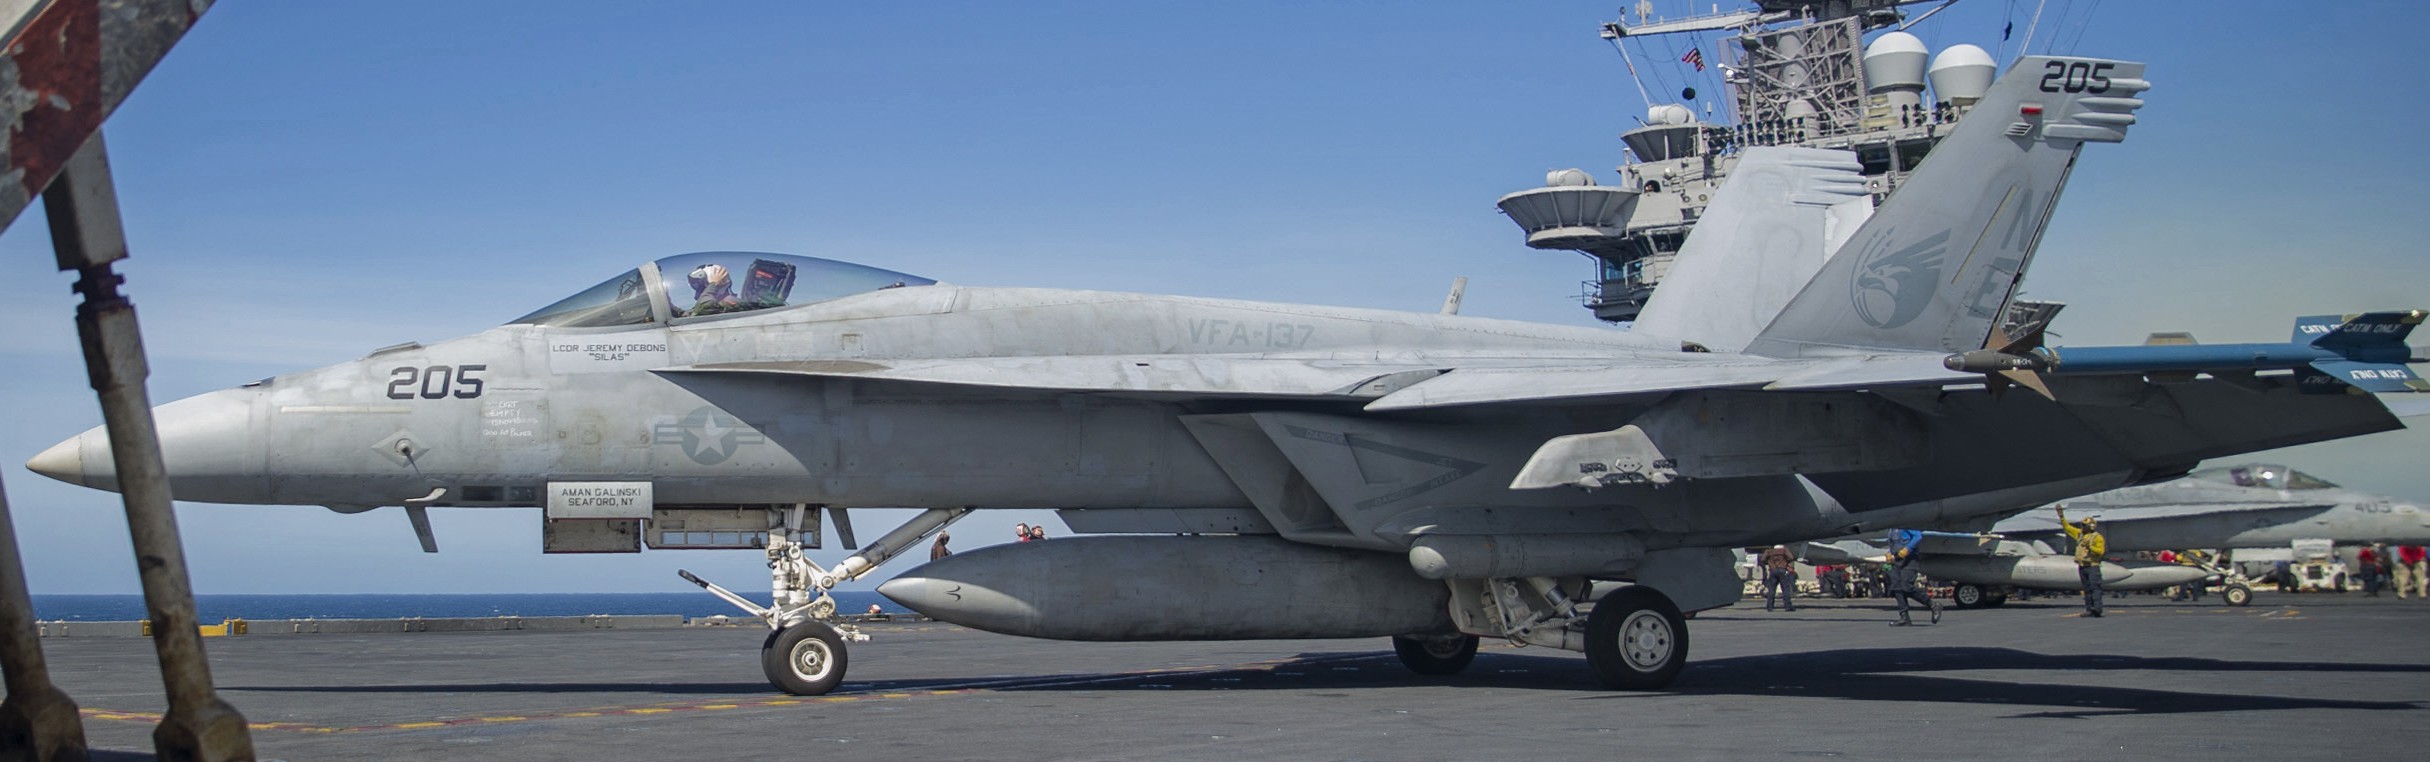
(1879, 674)
(1770, 617)
(1865, 674)
(1854, 674)
(716, 689)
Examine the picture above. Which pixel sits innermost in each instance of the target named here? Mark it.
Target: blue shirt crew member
(1904, 548)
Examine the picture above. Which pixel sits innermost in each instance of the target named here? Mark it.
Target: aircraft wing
(1652, 376)
(1212, 376)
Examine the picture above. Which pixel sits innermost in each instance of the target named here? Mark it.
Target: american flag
(1694, 56)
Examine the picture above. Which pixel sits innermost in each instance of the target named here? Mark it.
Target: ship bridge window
(727, 282)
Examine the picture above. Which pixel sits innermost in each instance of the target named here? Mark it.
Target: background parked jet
(1983, 569)
(2256, 505)
(1297, 471)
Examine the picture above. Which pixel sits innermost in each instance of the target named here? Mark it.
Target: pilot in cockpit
(712, 291)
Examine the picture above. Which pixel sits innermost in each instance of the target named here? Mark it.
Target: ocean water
(213, 608)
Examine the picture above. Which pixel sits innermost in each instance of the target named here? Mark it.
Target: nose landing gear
(805, 652)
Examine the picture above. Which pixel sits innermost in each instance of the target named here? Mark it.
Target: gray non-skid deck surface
(2290, 677)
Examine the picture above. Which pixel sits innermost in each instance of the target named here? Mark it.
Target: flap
(1476, 386)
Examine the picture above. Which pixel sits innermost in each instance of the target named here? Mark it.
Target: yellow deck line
(1266, 665)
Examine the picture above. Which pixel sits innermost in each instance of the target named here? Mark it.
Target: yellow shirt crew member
(2091, 550)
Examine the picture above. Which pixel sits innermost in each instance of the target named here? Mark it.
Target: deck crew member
(1779, 576)
(1904, 547)
(2091, 548)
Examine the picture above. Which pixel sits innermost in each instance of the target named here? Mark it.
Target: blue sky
(303, 182)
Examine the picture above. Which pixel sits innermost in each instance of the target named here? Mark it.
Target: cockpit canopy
(2265, 475)
(709, 283)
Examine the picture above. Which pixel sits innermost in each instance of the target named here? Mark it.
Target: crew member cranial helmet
(711, 278)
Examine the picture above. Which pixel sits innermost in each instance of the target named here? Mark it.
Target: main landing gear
(1435, 654)
(1973, 596)
(805, 653)
(805, 659)
(1634, 637)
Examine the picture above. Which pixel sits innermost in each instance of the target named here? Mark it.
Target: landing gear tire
(2237, 595)
(1435, 655)
(1636, 640)
(1968, 596)
(1993, 598)
(806, 659)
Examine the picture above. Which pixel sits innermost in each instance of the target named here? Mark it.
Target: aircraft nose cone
(64, 462)
(208, 447)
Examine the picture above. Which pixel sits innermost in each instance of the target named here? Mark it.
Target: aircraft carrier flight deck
(2291, 676)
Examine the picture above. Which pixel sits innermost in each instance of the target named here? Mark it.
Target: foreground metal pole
(38, 722)
(83, 209)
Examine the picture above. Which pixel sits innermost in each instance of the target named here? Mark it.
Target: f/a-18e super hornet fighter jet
(1289, 471)
(2254, 505)
(1983, 569)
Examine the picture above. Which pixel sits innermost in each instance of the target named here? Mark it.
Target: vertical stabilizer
(1935, 267)
(1767, 232)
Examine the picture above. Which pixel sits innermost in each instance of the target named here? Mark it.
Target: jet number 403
(435, 382)
(2076, 77)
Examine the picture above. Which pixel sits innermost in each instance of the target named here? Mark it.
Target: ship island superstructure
(1800, 73)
